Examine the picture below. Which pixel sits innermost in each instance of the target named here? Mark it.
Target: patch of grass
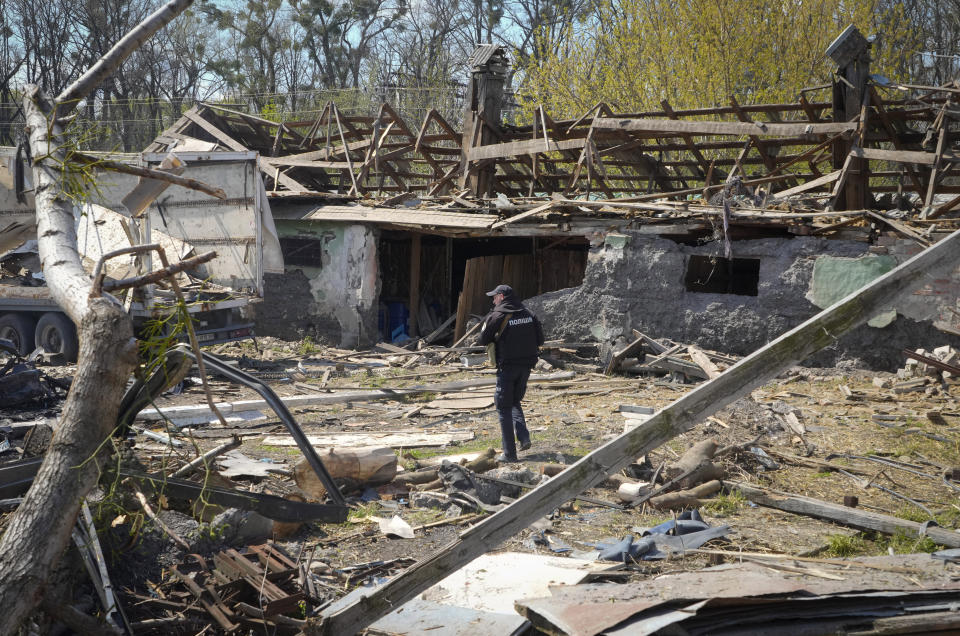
(419, 517)
(280, 449)
(822, 474)
(842, 545)
(410, 398)
(904, 543)
(912, 514)
(363, 511)
(372, 380)
(474, 446)
(725, 504)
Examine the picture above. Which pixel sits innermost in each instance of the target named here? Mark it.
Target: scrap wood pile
(644, 355)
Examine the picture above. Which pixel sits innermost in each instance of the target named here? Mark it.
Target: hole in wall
(719, 275)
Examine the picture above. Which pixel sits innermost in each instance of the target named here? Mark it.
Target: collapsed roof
(877, 152)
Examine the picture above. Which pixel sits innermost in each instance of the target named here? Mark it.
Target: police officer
(517, 335)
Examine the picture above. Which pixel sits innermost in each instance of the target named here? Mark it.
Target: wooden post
(761, 366)
(851, 99)
(484, 102)
(414, 285)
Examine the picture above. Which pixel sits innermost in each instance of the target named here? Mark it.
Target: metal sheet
(591, 609)
(493, 582)
(424, 618)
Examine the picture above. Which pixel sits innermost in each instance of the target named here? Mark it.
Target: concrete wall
(638, 283)
(335, 301)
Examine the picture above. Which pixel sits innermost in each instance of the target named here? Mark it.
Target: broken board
(393, 439)
(463, 401)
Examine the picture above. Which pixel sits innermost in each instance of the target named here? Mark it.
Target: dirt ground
(847, 415)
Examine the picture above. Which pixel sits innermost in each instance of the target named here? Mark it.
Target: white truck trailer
(220, 294)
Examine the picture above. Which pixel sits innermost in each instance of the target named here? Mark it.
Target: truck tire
(18, 329)
(56, 334)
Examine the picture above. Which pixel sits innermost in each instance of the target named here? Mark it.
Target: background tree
(634, 53)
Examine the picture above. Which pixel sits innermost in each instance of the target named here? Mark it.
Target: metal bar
(285, 416)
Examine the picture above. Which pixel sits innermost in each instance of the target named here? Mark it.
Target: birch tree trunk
(39, 530)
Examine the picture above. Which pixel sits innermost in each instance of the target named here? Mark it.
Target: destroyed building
(719, 226)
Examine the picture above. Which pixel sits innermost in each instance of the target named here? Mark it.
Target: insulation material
(835, 278)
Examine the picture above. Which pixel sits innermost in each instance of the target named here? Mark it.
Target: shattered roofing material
(751, 595)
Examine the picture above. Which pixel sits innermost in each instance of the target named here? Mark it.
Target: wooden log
(371, 466)
(416, 477)
(696, 465)
(838, 513)
(751, 372)
(685, 498)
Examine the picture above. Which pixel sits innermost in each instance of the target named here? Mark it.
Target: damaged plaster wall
(333, 300)
(637, 282)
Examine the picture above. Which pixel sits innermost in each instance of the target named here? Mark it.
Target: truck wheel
(56, 334)
(18, 329)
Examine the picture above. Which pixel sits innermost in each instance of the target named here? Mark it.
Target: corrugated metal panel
(431, 218)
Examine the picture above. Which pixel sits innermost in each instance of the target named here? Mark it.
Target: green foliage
(634, 53)
(271, 111)
(307, 347)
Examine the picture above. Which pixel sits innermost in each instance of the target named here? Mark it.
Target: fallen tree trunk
(40, 529)
(680, 416)
(844, 515)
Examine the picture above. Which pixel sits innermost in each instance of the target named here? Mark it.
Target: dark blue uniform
(518, 335)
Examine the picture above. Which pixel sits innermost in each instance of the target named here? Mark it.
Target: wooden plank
(688, 140)
(679, 128)
(932, 183)
(655, 346)
(525, 147)
(946, 207)
(809, 185)
(618, 356)
(436, 333)
(278, 162)
(751, 372)
(217, 134)
(524, 215)
(899, 227)
(764, 153)
(422, 218)
(838, 513)
(704, 361)
(202, 411)
(902, 156)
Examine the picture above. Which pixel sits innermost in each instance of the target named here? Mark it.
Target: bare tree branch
(129, 43)
(159, 175)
